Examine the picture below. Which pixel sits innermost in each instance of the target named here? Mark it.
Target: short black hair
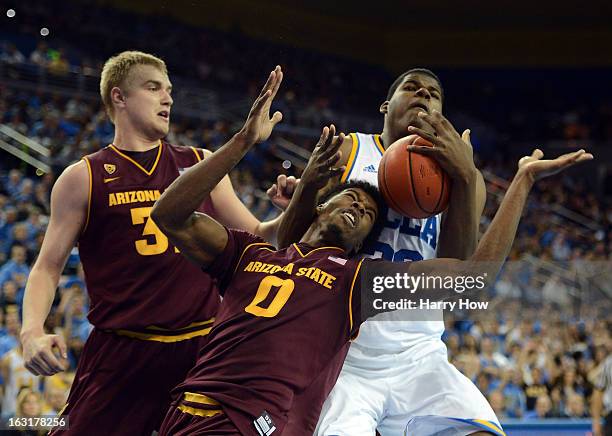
(372, 191)
(400, 79)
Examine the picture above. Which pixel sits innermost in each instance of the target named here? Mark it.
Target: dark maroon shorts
(122, 384)
(184, 420)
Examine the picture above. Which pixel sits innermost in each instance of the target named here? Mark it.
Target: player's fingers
(329, 163)
(336, 171)
(323, 137)
(269, 83)
(31, 368)
(426, 135)
(466, 136)
(425, 151)
(271, 192)
(260, 102)
(281, 181)
(60, 343)
(537, 153)
(51, 361)
(278, 81)
(291, 184)
(334, 147)
(329, 139)
(40, 366)
(276, 118)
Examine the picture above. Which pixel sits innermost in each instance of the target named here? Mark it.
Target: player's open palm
(41, 357)
(539, 168)
(320, 167)
(259, 125)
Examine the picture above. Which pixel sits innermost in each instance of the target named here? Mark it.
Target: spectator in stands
(542, 408)
(575, 407)
(40, 55)
(55, 398)
(13, 183)
(497, 402)
(16, 268)
(29, 404)
(12, 55)
(9, 295)
(15, 377)
(9, 339)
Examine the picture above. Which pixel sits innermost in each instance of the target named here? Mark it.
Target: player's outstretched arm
(197, 235)
(496, 243)
(69, 204)
(323, 168)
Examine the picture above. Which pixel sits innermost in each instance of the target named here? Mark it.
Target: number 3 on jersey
(285, 290)
(141, 215)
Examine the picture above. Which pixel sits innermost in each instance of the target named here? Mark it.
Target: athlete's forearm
(37, 301)
(268, 230)
(188, 191)
(459, 231)
(297, 217)
(596, 405)
(497, 241)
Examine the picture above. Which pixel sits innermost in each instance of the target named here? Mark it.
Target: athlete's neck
(316, 237)
(386, 139)
(130, 140)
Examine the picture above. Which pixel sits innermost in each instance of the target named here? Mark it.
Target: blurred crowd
(539, 364)
(533, 354)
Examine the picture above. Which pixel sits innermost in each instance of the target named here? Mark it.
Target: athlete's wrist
(33, 332)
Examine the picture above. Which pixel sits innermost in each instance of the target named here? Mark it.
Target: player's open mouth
(350, 218)
(419, 106)
(165, 115)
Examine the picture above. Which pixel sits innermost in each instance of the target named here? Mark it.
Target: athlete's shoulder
(184, 150)
(104, 152)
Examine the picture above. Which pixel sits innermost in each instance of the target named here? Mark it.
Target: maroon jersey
(135, 277)
(285, 315)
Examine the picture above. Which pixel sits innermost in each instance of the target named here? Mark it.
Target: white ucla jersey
(402, 239)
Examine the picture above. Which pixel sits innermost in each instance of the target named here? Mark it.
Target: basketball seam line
(416, 198)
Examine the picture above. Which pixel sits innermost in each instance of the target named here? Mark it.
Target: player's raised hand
(538, 168)
(280, 193)
(41, 357)
(258, 126)
(452, 151)
(320, 167)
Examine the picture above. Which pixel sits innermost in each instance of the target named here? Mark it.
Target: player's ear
(117, 96)
(319, 209)
(384, 108)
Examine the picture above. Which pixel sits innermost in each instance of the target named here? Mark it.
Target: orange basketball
(412, 184)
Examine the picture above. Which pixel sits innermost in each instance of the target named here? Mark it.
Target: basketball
(412, 184)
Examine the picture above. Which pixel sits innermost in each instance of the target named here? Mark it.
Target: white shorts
(399, 396)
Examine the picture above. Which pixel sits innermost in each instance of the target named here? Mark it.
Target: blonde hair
(117, 69)
(23, 396)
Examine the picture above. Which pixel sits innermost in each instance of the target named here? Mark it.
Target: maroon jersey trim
(266, 245)
(89, 194)
(125, 156)
(199, 405)
(350, 303)
(196, 153)
(313, 250)
(168, 336)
